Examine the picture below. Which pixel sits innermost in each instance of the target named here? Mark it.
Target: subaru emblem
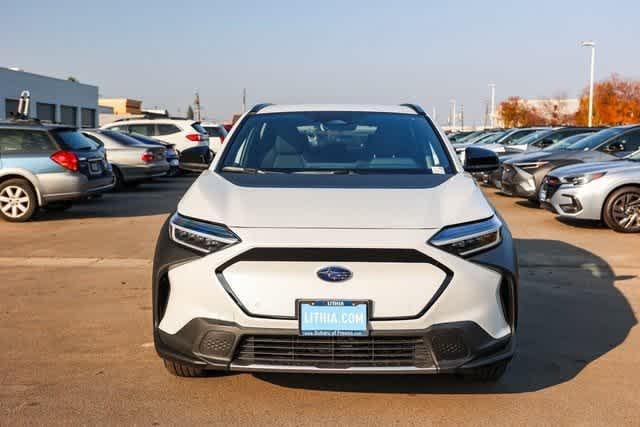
(334, 274)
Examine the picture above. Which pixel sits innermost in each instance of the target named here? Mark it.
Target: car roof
(336, 107)
(168, 120)
(34, 124)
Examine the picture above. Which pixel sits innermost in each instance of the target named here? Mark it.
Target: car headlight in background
(530, 165)
(582, 179)
(201, 236)
(467, 239)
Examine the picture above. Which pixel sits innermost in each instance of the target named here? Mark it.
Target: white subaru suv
(182, 133)
(336, 239)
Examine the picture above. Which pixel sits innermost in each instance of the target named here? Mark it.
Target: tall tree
(514, 112)
(616, 101)
(190, 113)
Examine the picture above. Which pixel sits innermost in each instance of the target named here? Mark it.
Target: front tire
(18, 201)
(182, 370)
(622, 210)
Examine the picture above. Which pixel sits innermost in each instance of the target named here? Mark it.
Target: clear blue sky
(322, 51)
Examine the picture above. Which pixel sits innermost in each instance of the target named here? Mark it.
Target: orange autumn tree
(616, 101)
(514, 112)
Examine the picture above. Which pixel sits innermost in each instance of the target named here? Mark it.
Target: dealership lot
(76, 329)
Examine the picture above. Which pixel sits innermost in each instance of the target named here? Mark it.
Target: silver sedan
(131, 160)
(607, 191)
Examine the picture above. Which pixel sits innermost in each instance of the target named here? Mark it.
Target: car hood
(587, 168)
(582, 156)
(526, 157)
(349, 202)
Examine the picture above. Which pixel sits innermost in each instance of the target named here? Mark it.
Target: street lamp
(592, 45)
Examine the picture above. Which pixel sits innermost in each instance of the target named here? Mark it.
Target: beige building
(121, 106)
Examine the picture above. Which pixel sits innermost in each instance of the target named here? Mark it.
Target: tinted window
(199, 128)
(88, 118)
(593, 141)
(120, 128)
(46, 112)
(74, 141)
(68, 115)
(530, 138)
(147, 130)
(164, 129)
(16, 141)
(333, 141)
(215, 131)
(121, 138)
(11, 108)
(630, 141)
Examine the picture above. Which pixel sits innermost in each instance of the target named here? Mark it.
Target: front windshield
(336, 142)
(595, 139)
(471, 136)
(563, 144)
(530, 138)
(491, 138)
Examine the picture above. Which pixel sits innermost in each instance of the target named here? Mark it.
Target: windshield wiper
(238, 169)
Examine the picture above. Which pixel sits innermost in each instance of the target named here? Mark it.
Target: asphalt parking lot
(75, 331)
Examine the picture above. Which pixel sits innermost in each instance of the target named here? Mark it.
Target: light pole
(492, 117)
(453, 114)
(592, 45)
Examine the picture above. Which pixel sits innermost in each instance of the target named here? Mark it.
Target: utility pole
(244, 100)
(592, 45)
(492, 117)
(196, 113)
(453, 114)
(462, 117)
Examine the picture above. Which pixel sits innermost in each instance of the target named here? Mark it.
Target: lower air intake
(216, 344)
(449, 346)
(334, 352)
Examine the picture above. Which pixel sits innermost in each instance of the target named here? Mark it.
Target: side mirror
(478, 159)
(196, 159)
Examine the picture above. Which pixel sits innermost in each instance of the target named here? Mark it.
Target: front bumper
(579, 202)
(202, 321)
(517, 182)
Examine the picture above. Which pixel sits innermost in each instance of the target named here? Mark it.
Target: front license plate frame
(327, 317)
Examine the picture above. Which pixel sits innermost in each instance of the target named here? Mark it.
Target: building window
(88, 118)
(10, 108)
(46, 112)
(68, 115)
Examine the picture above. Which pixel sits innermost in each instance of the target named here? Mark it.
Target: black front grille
(334, 352)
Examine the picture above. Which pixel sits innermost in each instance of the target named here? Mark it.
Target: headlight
(530, 165)
(201, 236)
(582, 179)
(467, 239)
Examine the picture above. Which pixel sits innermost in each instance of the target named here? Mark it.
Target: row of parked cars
(49, 166)
(576, 172)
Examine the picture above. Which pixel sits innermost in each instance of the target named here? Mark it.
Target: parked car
(132, 161)
(47, 166)
(523, 176)
(544, 138)
(217, 133)
(320, 229)
(454, 136)
(494, 178)
(171, 153)
(607, 191)
(182, 133)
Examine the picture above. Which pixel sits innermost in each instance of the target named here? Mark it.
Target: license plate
(95, 167)
(333, 318)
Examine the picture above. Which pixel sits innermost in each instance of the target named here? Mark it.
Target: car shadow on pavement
(158, 197)
(570, 315)
(581, 223)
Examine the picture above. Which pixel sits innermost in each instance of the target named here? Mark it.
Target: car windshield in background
(336, 142)
(530, 138)
(121, 138)
(199, 128)
(563, 144)
(595, 139)
(492, 138)
(74, 140)
(215, 131)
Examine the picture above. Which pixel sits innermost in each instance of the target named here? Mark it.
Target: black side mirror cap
(478, 159)
(196, 159)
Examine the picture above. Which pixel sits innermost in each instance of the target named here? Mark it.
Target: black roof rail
(415, 107)
(259, 107)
